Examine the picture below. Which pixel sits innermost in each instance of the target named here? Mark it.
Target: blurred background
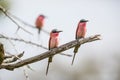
(98, 60)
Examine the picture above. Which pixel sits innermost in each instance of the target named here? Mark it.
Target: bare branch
(19, 27)
(25, 23)
(28, 42)
(15, 57)
(50, 52)
(26, 74)
(12, 58)
(21, 40)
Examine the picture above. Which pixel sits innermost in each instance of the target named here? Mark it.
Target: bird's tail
(75, 51)
(76, 48)
(49, 61)
(73, 58)
(39, 30)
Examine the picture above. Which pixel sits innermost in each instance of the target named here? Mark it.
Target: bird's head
(55, 33)
(41, 17)
(83, 20)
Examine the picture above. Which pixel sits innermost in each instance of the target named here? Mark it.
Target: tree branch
(12, 58)
(11, 55)
(50, 52)
(29, 42)
(22, 40)
(12, 17)
(27, 24)
(19, 27)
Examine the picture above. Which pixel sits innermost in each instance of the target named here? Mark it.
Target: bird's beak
(59, 31)
(87, 20)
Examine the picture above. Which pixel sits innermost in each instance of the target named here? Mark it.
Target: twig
(50, 53)
(19, 27)
(25, 23)
(12, 58)
(21, 40)
(11, 55)
(26, 75)
(29, 42)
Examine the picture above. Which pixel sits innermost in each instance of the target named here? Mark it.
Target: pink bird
(40, 22)
(53, 43)
(80, 33)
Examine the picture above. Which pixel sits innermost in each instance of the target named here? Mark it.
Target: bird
(40, 22)
(80, 33)
(1, 53)
(53, 43)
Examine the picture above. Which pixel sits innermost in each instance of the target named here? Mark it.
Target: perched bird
(1, 53)
(40, 22)
(53, 43)
(80, 33)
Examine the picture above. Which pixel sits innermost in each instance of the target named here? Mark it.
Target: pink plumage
(80, 33)
(53, 43)
(81, 30)
(40, 22)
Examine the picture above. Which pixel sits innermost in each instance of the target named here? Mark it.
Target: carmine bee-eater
(40, 22)
(53, 43)
(80, 33)
(1, 53)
